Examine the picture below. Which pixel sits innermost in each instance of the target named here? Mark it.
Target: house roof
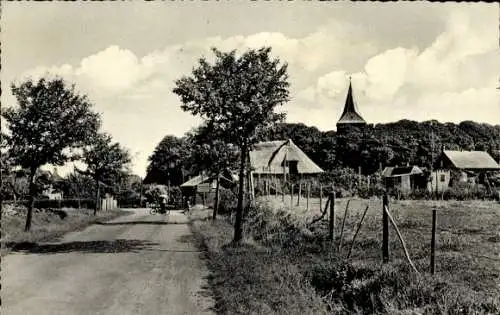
(202, 178)
(472, 160)
(401, 171)
(269, 157)
(195, 181)
(350, 115)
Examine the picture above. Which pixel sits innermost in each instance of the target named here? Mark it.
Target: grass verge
(249, 278)
(48, 225)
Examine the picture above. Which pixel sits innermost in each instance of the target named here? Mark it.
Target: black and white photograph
(250, 157)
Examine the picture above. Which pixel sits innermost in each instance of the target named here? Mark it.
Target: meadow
(281, 244)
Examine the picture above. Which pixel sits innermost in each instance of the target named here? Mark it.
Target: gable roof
(350, 115)
(195, 181)
(471, 160)
(268, 158)
(401, 171)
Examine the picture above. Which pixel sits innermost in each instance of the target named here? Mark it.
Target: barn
(274, 163)
(462, 167)
(404, 178)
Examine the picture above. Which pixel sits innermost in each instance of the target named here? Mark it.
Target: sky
(407, 60)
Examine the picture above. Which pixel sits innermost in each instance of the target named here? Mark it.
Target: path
(137, 264)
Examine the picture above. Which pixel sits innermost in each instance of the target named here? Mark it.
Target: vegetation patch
(466, 279)
(250, 278)
(47, 225)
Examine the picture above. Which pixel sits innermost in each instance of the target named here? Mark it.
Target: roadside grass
(48, 225)
(280, 244)
(250, 278)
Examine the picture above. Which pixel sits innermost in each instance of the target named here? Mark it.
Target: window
(443, 177)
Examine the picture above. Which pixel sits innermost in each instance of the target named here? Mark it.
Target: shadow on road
(115, 246)
(141, 222)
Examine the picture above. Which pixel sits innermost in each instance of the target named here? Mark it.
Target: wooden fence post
(300, 192)
(308, 194)
(332, 216)
(385, 230)
(433, 241)
(320, 197)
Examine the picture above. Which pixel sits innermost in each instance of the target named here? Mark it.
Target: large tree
(50, 120)
(237, 96)
(106, 162)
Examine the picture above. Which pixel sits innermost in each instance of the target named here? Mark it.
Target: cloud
(453, 79)
(457, 70)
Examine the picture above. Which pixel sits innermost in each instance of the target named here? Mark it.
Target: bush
(228, 201)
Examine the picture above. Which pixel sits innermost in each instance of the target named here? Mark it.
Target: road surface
(137, 264)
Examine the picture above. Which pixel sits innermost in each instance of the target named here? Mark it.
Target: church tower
(350, 116)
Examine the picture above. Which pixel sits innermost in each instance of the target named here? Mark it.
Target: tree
(106, 162)
(213, 156)
(50, 121)
(167, 161)
(237, 97)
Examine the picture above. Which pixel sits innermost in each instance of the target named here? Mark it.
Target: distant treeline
(398, 143)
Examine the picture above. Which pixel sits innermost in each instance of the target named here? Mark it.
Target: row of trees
(237, 98)
(53, 124)
(398, 143)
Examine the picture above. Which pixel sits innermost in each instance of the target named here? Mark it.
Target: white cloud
(454, 79)
(458, 70)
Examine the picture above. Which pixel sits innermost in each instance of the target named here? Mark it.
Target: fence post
(320, 197)
(433, 241)
(300, 192)
(308, 194)
(332, 216)
(385, 231)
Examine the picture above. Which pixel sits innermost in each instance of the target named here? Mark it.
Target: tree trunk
(97, 197)
(31, 200)
(238, 233)
(216, 201)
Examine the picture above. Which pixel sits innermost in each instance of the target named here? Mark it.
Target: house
(274, 162)
(404, 178)
(462, 167)
(202, 187)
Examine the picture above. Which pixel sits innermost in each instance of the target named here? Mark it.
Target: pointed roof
(350, 115)
(268, 158)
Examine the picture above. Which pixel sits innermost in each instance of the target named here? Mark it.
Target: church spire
(350, 115)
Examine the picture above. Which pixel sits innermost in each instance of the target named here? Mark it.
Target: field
(467, 279)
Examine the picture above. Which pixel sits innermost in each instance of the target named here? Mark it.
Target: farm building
(404, 178)
(462, 167)
(276, 162)
(202, 187)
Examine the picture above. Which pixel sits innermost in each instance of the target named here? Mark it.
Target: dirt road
(137, 264)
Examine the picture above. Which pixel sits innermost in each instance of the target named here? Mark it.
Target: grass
(467, 279)
(250, 278)
(47, 225)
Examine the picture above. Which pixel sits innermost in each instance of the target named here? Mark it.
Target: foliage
(50, 121)
(237, 97)
(106, 161)
(397, 143)
(209, 154)
(168, 161)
